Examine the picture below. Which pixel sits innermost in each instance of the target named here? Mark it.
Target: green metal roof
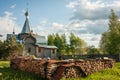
(46, 46)
(40, 39)
(26, 27)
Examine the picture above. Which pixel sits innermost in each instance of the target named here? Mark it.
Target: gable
(29, 40)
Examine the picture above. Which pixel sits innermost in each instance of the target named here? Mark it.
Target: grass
(108, 74)
(12, 74)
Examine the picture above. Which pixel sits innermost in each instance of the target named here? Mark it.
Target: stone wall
(56, 69)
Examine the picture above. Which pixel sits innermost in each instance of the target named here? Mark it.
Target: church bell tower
(26, 27)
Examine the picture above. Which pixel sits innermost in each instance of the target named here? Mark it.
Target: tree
(51, 39)
(57, 42)
(63, 44)
(113, 21)
(73, 43)
(13, 48)
(112, 36)
(80, 46)
(77, 45)
(2, 49)
(60, 42)
(104, 42)
(92, 50)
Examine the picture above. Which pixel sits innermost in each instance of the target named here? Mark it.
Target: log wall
(56, 69)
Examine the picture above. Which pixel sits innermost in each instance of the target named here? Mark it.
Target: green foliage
(3, 49)
(110, 42)
(12, 74)
(10, 48)
(108, 74)
(92, 50)
(75, 46)
(73, 42)
(51, 39)
(4, 64)
(104, 42)
(59, 41)
(14, 48)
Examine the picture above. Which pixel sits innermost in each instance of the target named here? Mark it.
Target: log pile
(56, 69)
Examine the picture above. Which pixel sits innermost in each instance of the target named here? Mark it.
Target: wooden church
(34, 44)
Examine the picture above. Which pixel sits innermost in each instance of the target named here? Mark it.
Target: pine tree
(14, 48)
(111, 38)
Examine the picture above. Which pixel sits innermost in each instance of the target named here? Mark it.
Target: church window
(29, 50)
(53, 51)
(39, 50)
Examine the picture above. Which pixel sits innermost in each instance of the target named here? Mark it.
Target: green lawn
(108, 74)
(11, 74)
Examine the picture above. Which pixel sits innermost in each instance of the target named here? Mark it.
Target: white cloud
(8, 14)
(92, 16)
(87, 9)
(72, 5)
(7, 22)
(57, 27)
(78, 28)
(91, 39)
(89, 20)
(52, 28)
(13, 6)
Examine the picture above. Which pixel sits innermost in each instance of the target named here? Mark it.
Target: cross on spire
(26, 27)
(26, 13)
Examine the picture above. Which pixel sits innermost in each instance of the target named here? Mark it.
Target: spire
(26, 13)
(26, 27)
(13, 30)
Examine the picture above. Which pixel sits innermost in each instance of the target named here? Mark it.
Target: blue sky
(88, 19)
(53, 10)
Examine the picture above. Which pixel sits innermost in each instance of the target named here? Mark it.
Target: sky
(87, 19)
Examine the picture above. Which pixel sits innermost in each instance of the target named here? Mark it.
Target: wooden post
(118, 57)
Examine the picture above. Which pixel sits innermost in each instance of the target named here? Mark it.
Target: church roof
(15, 35)
(46, 46)
(40, 39)
(51, 47)
(26, 27)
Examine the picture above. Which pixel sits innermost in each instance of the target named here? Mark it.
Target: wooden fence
(92, 56)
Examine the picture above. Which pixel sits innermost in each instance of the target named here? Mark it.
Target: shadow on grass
(12, 74)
